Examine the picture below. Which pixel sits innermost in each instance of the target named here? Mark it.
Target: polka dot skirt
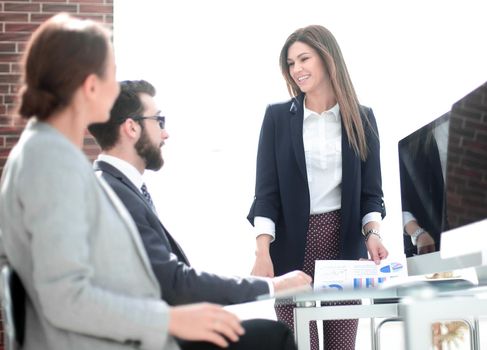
(323, 243)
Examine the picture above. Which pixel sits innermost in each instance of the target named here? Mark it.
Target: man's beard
(149, 152)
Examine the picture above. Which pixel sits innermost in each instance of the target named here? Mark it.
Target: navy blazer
(422, 188)
(282, 192)
(180, 283)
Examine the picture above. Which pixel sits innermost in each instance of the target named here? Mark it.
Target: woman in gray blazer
(88, 281)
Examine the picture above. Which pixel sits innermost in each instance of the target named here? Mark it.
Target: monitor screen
(443, 173)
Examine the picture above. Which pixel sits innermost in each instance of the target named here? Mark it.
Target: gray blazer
(77, 251)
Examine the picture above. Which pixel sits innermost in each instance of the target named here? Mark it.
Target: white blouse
(322, 138)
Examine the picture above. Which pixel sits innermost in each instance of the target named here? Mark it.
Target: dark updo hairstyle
(60, 55)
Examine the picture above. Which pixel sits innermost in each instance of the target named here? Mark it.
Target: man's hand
(292, 280)
(204, 322)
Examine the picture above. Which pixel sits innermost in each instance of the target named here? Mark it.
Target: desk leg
(303, 315)
(373, 343)
(417, 326)
(301, 327)
(476, 333)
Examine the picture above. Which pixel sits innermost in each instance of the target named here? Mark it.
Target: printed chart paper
(355, 274)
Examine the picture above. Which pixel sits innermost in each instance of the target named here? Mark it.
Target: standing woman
(88, 281)
(318, 192)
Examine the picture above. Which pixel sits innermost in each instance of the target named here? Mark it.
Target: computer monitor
(466, 185)
(443, 172)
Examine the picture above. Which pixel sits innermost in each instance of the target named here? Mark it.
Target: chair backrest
(13, 308)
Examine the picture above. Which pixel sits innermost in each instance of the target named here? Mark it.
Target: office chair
(13, 308)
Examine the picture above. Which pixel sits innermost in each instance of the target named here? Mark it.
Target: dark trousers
(323, 243)
(260, 334)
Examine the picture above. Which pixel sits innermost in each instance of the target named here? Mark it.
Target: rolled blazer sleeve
(267, 199)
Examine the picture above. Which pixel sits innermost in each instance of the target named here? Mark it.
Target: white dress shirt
(125, 168)
(322, 139)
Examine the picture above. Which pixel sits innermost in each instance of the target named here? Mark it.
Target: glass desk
(420, 309)
(393, 302)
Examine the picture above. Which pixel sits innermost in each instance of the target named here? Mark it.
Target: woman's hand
(377, 250)
(263, 266)
(425, 243)
(204, 322)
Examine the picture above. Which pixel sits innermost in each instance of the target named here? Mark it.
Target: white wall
(215, 65)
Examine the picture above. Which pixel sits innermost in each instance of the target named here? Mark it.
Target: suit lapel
(296, 125)
(350, 179)
(108, 168)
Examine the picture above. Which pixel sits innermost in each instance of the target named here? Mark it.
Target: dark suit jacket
(282, 193)
(422, 187)
(179, 282)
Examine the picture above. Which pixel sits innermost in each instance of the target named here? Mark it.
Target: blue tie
(147, 196)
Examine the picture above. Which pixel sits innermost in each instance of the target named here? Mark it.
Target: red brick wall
(467, 160)
(18, 19)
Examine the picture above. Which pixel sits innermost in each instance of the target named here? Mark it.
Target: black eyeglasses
(159, 118)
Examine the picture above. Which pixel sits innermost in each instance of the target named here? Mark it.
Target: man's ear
(130, 128)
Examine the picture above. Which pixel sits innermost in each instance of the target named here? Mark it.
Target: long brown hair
(61, 53)
(325, 44)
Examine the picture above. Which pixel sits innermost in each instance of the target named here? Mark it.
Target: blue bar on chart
(368, 282)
